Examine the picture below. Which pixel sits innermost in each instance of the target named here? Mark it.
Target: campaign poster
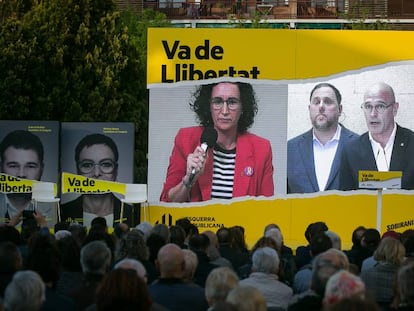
(29, 151)
(98, 153)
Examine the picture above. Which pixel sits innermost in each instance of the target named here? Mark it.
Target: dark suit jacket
(73, 211)
(358, 156)
(301, 166)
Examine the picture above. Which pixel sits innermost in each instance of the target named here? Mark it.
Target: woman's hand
(196, 161)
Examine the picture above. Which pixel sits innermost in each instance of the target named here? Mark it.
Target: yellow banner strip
(72, 183)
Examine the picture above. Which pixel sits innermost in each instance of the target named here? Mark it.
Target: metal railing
(279, 9)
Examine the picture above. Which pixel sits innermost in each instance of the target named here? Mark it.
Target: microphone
(208, 139)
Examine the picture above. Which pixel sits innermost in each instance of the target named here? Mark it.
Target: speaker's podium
(379, 181)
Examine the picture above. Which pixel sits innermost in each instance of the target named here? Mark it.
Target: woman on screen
(236, 162)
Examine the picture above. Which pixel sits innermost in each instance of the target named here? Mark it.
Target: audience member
(199, 245)
(132, 245)
(170, 290)
(264, 277)
(285, 249)
(323, 267)
(341, 285)
(354, 303)
(218, 284)
(10, 262)
(186, 224)
(213, 252)
(191, 263)
(303, 278)
(335, 238)
(177, 236)
(247, 298)
(379, 279)
(122, 290)
(145, 228)
(405, 281)
(25, 292)
(71, 270)
(303, 255)
(163, 231)
(356, 254)
(44, 258)
(95, 260)
(236, 257)
(138, 267)
(369, 242)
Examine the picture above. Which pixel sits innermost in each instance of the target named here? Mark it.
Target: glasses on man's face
(105, 166)
(218, 103)
(379, 107)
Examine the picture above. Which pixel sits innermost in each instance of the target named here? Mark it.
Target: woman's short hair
(201, 105)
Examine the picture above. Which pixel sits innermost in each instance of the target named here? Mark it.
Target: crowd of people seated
(178, 268)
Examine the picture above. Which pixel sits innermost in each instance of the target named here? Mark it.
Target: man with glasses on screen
(96, 157)
(313, 157)
(385, 147)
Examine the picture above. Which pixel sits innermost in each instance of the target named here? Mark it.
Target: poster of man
(29, 150)
(99, 151)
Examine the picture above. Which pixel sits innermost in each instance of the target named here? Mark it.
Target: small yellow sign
(378, 180)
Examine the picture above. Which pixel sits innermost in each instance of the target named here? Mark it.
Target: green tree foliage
(74, 60)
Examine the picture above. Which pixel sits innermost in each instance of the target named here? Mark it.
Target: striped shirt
(223, 173)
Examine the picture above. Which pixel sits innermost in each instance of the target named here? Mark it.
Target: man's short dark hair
(21, 139)
(336, 91)
(96, 139)
(201, 104)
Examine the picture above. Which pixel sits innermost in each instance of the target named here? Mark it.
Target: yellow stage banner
(341, 211)
(72, 183)
(268, 54)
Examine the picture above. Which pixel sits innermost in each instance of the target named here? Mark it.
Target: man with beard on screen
(314, 156)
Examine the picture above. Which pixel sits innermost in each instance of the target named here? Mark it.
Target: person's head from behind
(314, 228)
(10, 257)
(224, 236)
(335, 238)
(219, 283)
(265, 260)
(325, 106)
(380, 109)
(199, 243)
(391, 251)
(21, 155)
(247, 298)
(357, 235)
(132, 245)
(170, 261)
(95, 257)
(343, 284)
(320, 243)
(234, 100)
(191, 263)
(122, 289)
(405, 278)
(132, 264)
(370, 239)
(276, 235)
(96, 156)
(324, 266)
(25, 292)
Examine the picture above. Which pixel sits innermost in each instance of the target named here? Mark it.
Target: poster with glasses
(103, 151)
